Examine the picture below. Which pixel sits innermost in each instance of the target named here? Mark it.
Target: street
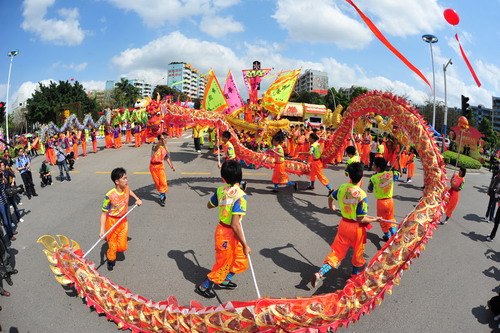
(171, 248)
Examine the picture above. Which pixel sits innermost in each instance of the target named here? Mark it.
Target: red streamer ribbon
(467, 62)
(382, 38)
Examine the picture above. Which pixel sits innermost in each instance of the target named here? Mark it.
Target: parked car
(440, 141)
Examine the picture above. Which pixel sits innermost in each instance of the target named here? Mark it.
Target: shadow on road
(492, 254)
(290, 264)
(473, 217)
(485, 316)
(191, 270)
(481, 189)
(492, 272)
(475, 237)
(409, 199)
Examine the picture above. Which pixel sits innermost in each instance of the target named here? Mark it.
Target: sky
(97, 40)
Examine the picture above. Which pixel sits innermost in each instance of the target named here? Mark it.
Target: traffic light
(465, 105)
(2, 111)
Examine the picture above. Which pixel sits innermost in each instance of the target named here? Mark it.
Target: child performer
(382, 184)
(365, 146)
(83, 139)
(410, 164)
(315, 163)
(114, 206)
(137, 135)
(231, 249)
(157, 168)
(279, 174)
(229, 153)
(352, 228)
(456, 185)
(93, 137)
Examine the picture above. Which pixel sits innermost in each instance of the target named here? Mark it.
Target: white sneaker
(21, 220)
(20, 203)
(315, 279)
(489, 239)
(408, 181)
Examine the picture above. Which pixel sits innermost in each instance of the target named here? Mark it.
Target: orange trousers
(75, 149)
(118, 142)
(137, 139)
(117, 239)
(365, 154)
(349, 234)
(94, 146)
(159, 177)
(50, 156)
(317, 172)
(452, 202)
(84, 148)
(109, 142)
(279, 174)
(229, 255)
(411, 169)
(128, 136)
(385, 209)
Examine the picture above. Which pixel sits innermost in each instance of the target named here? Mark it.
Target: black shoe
(14, 271)
(162, 202)
(8, 280)
(111, 265)
(330, 192)
(275, 190)
(296, 187)
(29, 197)
(244, 185)
(35, 195)
(209, 293)
(310, 187)
(230, 285)
(385, 238)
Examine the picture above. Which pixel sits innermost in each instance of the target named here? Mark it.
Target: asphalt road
(171, 248)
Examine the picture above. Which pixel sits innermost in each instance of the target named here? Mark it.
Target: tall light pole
(445, 105)
(11, 54)
(431, 39)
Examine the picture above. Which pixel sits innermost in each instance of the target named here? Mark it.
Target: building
(312, 81)
(185, 78)
(145, 89)
(492, 114)
(99, 95)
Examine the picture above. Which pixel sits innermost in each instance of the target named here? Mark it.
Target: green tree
(165, 90)
(125, 94)
(307, 97)
(48, 102)
(490, 135)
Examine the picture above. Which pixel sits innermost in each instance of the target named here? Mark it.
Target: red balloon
(451, 16)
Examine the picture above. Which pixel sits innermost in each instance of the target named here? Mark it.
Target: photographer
(45, 175)
(12, 190)
(4, 205)
(23, 165)
(61, 163)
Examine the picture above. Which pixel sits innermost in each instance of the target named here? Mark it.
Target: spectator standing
(62, 164)
(6, 269)
(4, 206)
(23, 165)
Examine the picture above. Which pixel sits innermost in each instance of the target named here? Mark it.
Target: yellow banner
(278, 94)
(213, 99)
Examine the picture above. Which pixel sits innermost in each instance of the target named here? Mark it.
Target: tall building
(185, 78)
(312, 81)
(492, 114)
(145, 89)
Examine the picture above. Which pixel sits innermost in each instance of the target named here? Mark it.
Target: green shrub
(464, 161)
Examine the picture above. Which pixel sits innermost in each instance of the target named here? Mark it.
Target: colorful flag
(252, 78)
(213, 100)
(384, 41)
(278, 94)
(232, 95)
(468, 63)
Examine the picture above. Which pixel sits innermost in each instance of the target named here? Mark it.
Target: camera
(12, 191)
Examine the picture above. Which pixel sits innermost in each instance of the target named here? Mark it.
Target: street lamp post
(431, 39)
(445, 105)
(11, 54)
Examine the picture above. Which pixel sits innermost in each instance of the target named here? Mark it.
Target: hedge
(464, 161)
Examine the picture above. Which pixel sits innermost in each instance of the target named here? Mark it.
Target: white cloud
(217, 26)
(156, 55)
(403, 18)
(64, 31)
(321, 21)
(155, 13)
(489, 73)
(93, 85)
(72, 66)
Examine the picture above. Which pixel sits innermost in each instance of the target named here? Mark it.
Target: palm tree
(125, 94)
